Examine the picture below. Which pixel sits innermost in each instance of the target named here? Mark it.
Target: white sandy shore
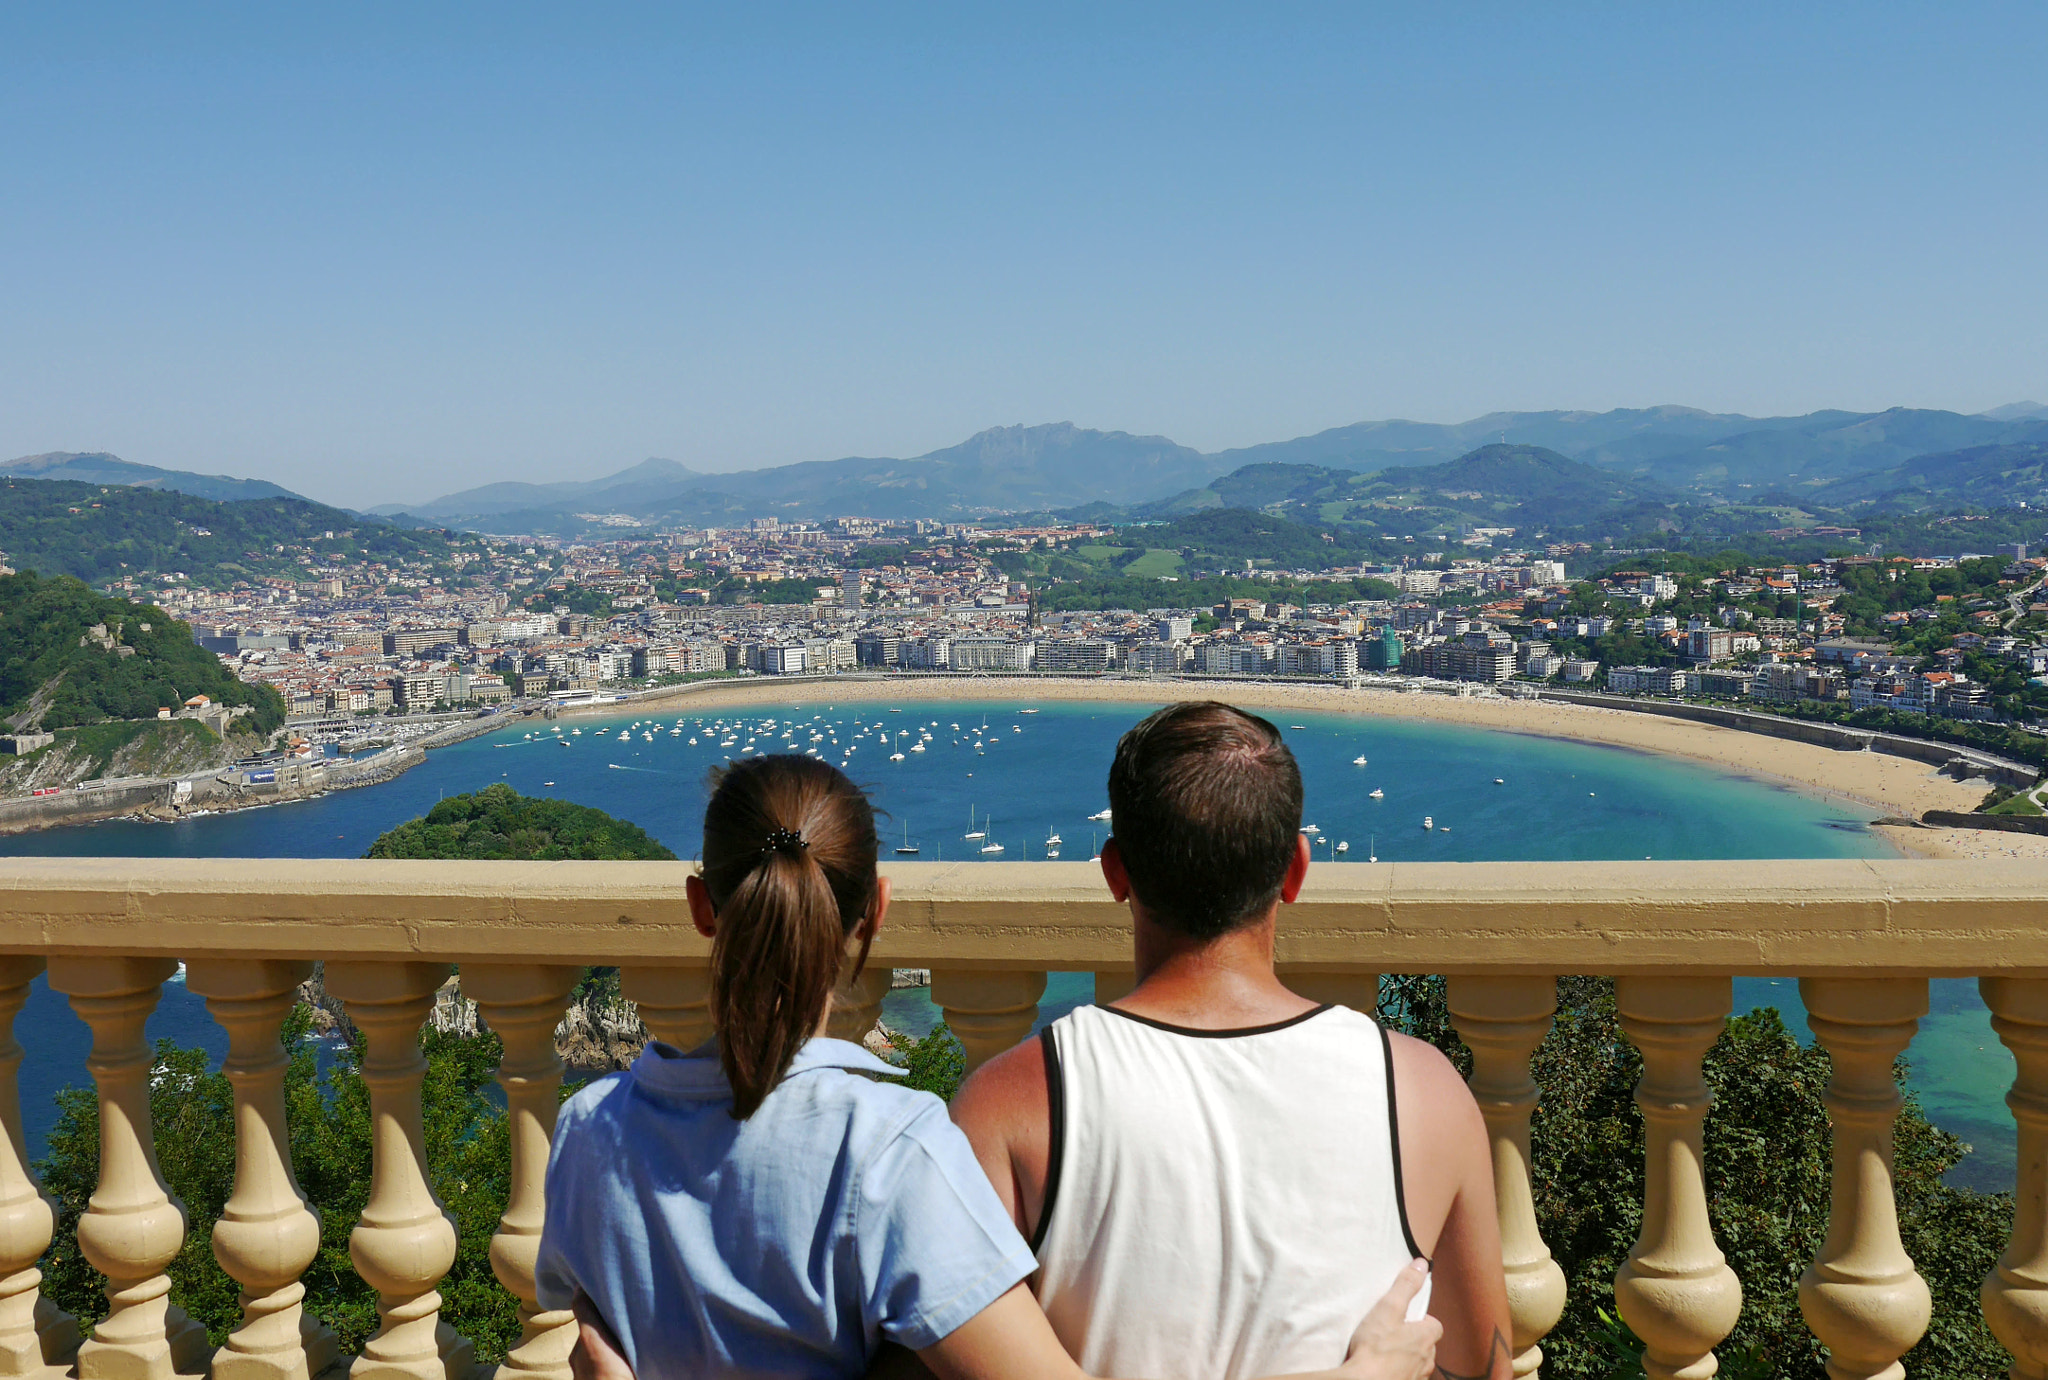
(1893, 785)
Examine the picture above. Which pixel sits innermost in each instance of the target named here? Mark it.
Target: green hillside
(1986, 476)
(499, 824)
(100, 534)
(57, 671)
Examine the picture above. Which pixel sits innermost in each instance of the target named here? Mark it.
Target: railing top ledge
(1788, 917)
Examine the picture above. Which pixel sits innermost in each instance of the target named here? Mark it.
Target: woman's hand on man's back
(1386, 1345)
(596, 1355)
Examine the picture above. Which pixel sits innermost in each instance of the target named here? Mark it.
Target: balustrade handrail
(1799, 918)
(1863, 937)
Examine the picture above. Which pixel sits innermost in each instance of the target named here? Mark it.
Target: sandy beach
(1894, 786)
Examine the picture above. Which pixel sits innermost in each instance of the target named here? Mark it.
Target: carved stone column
(2016, 1292)
(1502, 1020)
(1861, 1296)
(35, 1334)
(857, 1003)
(266, 1235)
(133, 1228)
(988, 1011)
(675, 1003)
(524, 1003)
(406, 1239)
(1359, 991)
(1675, 1289)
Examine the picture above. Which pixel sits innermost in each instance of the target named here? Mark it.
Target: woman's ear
(702, 915)
(873, 926)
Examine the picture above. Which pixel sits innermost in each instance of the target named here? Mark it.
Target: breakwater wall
(72, 806)
(2011, 824)
(1838, 736)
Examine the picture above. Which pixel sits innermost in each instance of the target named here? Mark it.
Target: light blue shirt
(843, 1213)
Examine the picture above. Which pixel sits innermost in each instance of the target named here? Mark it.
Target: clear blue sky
(392, 251)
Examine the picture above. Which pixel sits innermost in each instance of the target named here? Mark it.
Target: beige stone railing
(1862, 937)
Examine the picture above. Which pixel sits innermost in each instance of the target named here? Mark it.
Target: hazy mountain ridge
(1666, 450)
(98, 467)
(1650, 455)
(1978, 476)
(1003, 469)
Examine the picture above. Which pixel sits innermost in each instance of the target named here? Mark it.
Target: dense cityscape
(528, 621)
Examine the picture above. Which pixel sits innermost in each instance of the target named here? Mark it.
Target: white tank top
(1219, 1203)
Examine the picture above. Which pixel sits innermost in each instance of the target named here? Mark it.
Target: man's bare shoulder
(1431, 1092)
(1005, 1098)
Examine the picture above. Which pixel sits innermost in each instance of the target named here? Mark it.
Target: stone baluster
(2016, 1292)
(674, 1003)
(1113, 983)
(857, 1002)
(266, 1235)
(34, 1333)
(524, 1003)
(988, 1011)
(405, 1241)
(1359, 991)
(1675, 1289)
(133, 1228)
(1502, 1020)
(1861, 1296)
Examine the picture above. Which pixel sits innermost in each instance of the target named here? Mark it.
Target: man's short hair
(1205, 802)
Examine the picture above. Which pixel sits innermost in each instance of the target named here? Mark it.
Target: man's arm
(1447, 1181)
(1006, 1111)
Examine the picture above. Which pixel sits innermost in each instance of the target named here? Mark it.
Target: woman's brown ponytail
(789, 860)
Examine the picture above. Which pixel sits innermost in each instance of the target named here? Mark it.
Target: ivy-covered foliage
(1768, 1186)
(499, 824)
(46, 634)
(468, 1160)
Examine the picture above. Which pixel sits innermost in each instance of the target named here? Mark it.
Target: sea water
(1016, 773)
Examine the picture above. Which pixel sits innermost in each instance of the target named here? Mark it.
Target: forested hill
(499, 823)
(69, 656)
(100, 533)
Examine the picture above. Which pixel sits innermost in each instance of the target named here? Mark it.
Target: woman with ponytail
(771, 1204)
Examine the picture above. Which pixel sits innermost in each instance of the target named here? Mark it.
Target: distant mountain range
(97, 467)
(1631, 455)
(1541, 467)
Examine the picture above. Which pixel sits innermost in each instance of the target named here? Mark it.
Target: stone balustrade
(1862, 937)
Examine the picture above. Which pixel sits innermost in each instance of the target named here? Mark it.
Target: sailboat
(991, 846)
(1372, 850)
(972, 832)
(907, 850)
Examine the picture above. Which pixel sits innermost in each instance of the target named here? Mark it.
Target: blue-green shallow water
(1039, 773)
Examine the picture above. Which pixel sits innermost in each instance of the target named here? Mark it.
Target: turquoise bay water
(1025, 775)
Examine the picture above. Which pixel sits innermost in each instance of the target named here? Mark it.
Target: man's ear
(701, 913)
(1297, 870)
(1113, 872)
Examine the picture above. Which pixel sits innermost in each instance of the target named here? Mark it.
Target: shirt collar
(698, 1073)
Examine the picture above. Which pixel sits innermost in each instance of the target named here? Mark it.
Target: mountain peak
(2017, 412)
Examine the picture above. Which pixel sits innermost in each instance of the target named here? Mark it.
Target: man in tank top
(1219, 1177)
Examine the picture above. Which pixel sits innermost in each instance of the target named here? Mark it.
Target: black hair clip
(789, 841)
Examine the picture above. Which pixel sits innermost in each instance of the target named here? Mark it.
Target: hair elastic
(789, 841)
